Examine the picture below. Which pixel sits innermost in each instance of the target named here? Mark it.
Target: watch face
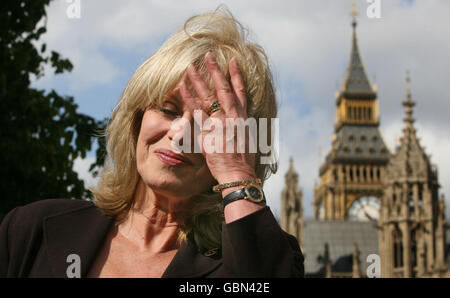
(254, 193)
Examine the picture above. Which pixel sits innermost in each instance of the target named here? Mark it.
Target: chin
(181, 182)
(167, 183)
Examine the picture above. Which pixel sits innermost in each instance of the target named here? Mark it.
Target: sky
(308, 44)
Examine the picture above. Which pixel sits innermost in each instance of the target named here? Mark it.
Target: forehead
(175, 93)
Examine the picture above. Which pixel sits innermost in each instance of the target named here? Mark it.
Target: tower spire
(291, 175)
(408, 103)
(356, 82)
(292, 220)
(354, 14)
(408, 85)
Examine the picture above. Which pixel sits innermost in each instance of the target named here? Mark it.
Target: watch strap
(239, 195)
(234, 196)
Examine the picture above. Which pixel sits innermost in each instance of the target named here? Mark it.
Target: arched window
(420, 194)
(359, 113)
(349, 112)
(369, 112)
(424, 256)
(351, 174)
(413, 248)
(411, 200)
(398, 248)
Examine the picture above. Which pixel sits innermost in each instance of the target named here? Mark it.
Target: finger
(191, 101)
(199, 116)
(187, 96)
(224, 92)
(238, 83)
(207, 96)
(203, 105)
(194, 108)
(193, 105)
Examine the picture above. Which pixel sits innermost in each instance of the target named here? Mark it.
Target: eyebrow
(174, 94)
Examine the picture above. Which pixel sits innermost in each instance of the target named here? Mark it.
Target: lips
(171, 158)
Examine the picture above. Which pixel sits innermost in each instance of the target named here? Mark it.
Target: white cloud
(78, 40)
(81, 167)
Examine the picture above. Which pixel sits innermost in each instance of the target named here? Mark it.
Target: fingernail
(181, 85)
(235, 62)
(210, 56)
(191, 68)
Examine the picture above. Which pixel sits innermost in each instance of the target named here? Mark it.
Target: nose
(181, 133)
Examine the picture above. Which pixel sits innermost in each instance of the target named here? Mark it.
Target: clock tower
(351, 175)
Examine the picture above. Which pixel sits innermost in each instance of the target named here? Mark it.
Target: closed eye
(170, 108)
(169, 112)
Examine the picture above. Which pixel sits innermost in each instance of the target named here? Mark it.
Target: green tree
(41, 132)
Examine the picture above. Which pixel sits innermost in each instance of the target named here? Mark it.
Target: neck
(155, 220)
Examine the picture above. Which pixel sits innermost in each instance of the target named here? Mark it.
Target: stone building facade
(370, 204)
(412, 216)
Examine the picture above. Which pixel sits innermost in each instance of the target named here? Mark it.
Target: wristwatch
(251, 192)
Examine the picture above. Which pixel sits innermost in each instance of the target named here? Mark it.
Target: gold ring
(214, 107)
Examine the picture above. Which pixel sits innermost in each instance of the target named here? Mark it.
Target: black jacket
(36, 239)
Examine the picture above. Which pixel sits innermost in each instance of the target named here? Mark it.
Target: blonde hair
(218, 32)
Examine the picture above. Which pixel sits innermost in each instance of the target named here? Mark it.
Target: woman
(155, 213)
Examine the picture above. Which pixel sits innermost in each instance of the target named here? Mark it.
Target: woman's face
(177, 176)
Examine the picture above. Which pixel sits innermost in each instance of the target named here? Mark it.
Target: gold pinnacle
(354, 10)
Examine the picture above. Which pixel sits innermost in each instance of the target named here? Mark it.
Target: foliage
(41, 132)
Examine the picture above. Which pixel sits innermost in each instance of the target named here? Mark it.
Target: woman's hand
(226, 166)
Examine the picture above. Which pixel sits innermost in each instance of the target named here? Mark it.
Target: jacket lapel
(188, 262)
(81, 232)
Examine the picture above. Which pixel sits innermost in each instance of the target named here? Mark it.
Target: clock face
(364, 209)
